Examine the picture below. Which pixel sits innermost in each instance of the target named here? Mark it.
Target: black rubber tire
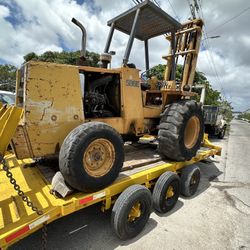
(172, 126)
(123, 228)
(187, 188)
(222, 133)
(71, 156)
(167, 179)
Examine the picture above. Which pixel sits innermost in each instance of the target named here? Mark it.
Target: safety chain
(44, 236)
(25, 198)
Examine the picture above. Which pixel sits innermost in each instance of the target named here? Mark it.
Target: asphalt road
(217, 217)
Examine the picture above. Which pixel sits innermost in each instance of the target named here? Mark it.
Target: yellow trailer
(27, 202)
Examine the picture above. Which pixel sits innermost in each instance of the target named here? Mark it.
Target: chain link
(25, 198)
(44, 236)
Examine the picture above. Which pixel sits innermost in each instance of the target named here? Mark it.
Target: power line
(231, 19)
(157, 3)
(209, 54)
(174, 10)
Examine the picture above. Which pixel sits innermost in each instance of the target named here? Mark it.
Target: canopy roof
(152, 21)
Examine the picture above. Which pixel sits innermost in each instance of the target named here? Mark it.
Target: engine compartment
(101, 94)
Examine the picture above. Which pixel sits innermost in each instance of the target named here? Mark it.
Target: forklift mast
(186, 45)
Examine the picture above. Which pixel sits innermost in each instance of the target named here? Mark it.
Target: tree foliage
(213, 97)
(63, 57)
(8, 72)
(7, 77)
(244, 115)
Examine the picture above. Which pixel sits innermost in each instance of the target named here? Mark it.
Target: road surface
(218, 217)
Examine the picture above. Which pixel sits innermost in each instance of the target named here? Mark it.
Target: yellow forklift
(83, 115)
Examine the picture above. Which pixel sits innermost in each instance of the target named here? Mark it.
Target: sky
(45, 25)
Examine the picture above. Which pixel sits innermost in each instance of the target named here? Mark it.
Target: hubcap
(193, 180)
(170, 192)
(135, 212)
(192, 131)
(99, 157)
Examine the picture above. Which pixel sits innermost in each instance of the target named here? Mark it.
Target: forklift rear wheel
(181, 130)
(91, 156)
(131, 211)
(190, 179)
(166, 192)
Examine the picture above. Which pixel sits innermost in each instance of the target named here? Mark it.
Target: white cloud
(4, 11)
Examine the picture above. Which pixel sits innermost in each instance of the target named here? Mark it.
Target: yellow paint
(9, 119)
(53, 106)
(170, 192)
(33, 184)
(135, 212)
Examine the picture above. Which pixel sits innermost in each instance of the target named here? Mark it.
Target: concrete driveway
(217, 217)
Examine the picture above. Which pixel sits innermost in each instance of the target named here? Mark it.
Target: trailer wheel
(190, 179)
(131, 211)
(166, 192)
(91, 156)
(181, 130)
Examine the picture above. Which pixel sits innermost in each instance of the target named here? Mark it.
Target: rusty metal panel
(52, 104)
(21, 144)
(152, 22)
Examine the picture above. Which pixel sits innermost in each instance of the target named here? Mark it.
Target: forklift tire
(166, 192)
(91, 156)
(190, 179)
(131, 211)
(181, 130)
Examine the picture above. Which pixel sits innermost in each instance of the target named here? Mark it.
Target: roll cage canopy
(144, 21)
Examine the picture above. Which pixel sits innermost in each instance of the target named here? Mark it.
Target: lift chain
(24, 197)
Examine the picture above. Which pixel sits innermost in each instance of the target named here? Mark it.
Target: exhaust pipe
(84, 37)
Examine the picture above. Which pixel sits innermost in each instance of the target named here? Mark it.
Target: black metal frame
(157, 15)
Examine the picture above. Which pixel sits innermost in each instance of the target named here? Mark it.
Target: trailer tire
(166, 192)
(181, 130)
(190, 179)
(91, 156)
(131, 211)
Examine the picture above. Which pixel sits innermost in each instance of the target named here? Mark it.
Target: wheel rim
(194, 182)
(170, 192)
(99, 157)
(171, 195)
(192, 131)
(135, 212)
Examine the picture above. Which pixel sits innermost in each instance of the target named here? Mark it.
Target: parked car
(7, 97)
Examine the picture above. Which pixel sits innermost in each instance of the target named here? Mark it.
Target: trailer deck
(142, 166)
